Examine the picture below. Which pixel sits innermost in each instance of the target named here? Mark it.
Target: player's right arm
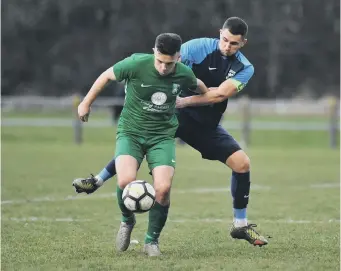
(120, 71)
(97, 87)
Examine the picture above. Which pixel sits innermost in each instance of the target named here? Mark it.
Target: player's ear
(154, 50)
(179, 57)
(244, 42)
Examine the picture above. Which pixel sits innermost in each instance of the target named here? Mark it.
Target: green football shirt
(149, 107)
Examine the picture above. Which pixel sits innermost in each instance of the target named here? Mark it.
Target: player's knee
(123, 181)
(239, 163)
(162, 193)
(244, 165)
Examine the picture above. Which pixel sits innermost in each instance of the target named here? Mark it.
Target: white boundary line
(43, 219)
(285, 221)
(325, 185)
(202, 220)
(202, 190)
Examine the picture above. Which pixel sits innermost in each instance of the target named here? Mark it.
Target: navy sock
(107, 172)
(240, 189)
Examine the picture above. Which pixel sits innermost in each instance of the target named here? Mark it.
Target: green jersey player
(147, 127)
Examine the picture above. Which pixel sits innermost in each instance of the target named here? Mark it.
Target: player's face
(229, 44)
(165, 64)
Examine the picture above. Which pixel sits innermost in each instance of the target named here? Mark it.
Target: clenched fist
(84, 111)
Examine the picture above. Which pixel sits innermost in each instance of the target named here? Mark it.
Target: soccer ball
(138, 196)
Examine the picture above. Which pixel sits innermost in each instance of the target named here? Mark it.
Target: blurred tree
(52, 47)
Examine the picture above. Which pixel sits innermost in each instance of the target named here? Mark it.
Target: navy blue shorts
(214, 143)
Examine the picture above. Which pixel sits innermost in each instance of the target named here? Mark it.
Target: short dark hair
(236, 26)
(168, 43)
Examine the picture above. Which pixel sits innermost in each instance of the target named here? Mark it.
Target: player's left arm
(225, 90)
(201, 87)
(195, 84)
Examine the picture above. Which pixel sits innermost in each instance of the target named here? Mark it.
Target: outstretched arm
(216, 95)
(226, 89)
(99, 84)
(97, 87)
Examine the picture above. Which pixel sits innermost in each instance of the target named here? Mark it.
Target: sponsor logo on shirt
(159, 98)
(230, 74)
(176, 89)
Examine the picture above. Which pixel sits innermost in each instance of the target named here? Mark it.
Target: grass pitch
(294, 198)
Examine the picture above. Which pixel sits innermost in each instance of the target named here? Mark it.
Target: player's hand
(180, 102)
(84, 111)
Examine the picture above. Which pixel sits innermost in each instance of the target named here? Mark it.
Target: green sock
(157, 219)
(127, 215)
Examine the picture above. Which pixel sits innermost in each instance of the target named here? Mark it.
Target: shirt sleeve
(125, 69)
(241, 79)
(192, 82)
(196, 50)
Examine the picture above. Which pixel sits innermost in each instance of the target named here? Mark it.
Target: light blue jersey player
(226, 71)
(208, 61)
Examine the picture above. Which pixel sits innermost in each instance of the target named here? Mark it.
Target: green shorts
(159, 150)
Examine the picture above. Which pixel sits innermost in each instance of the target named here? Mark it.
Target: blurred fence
(256, 106)
(246, 110)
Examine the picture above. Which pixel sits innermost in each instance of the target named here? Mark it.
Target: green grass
(286, 167)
